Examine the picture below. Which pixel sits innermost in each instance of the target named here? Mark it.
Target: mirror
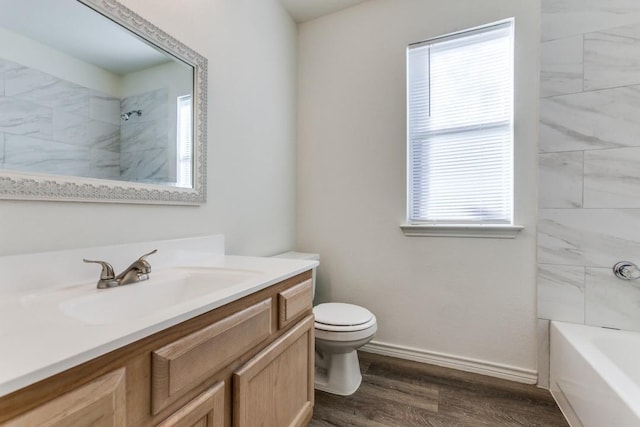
(98, 104)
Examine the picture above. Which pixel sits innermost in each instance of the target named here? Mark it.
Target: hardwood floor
(400, 393)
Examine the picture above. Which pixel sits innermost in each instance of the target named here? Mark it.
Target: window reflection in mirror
(82, 96)
(185, 141)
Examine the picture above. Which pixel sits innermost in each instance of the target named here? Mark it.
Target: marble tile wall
(145, 139)
(50, 125)
(589, 161)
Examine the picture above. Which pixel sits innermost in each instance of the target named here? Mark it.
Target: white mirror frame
(17, 185)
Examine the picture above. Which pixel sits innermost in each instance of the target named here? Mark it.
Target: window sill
(489, 231)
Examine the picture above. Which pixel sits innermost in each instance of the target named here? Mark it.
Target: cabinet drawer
(294, 302)
(183, 364)
(100, 403)
(206, 410)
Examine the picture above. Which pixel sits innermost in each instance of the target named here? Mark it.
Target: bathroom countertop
(39, 341)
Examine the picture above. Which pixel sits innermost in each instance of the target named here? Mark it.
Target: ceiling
(306, 10)
(69, 26)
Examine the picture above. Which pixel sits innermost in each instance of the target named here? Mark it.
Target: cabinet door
(100, 403)
(275, 388)
(206, 410)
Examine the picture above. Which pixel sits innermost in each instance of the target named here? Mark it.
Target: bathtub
(595, 375)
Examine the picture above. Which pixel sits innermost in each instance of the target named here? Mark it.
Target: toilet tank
(303, 255)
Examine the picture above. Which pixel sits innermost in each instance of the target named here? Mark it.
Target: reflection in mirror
(82, 96)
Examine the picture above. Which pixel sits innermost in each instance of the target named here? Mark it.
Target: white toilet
(340, 329)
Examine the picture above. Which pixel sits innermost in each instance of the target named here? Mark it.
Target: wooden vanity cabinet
(238, 365)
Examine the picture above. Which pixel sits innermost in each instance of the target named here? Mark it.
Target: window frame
(491, 229)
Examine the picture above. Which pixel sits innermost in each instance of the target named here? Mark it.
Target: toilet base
(338, 373)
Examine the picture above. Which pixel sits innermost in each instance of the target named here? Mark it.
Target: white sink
(162, 291)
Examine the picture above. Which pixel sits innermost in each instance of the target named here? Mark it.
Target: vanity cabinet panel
(206, 410)
(100, 403)
(294, 302)
(275, 388)
(186, 362)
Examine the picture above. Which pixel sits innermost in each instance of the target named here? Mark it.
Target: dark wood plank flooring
(400, 393)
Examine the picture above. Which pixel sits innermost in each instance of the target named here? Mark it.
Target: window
(460, 128)
(185, 141)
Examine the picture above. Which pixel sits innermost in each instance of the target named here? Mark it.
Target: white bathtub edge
(586, 382)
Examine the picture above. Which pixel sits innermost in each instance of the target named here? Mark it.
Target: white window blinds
(460, 136)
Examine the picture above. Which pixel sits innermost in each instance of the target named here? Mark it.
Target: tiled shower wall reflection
(589, 160)
(144, 139)
(54, 126)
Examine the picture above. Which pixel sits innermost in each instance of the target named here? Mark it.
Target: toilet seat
(341, 317)
(342, 322)
(346, 336)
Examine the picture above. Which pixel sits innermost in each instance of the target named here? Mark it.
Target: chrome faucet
(136, 272)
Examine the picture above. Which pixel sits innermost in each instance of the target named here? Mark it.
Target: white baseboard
(482, 367)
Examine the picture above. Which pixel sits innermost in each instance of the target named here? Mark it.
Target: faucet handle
(107, 270)
(145, 263)
(146, 255)
(626, 270)
(142, 265)
(107, 275)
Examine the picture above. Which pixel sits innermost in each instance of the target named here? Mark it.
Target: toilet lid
(340, 314)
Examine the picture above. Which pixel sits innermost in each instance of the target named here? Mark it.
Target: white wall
(469, 298)
(251, 48)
